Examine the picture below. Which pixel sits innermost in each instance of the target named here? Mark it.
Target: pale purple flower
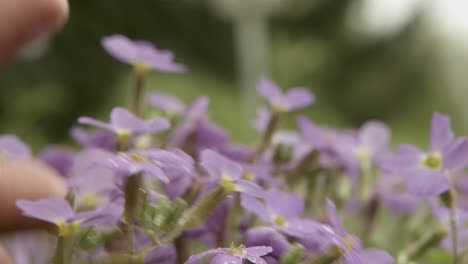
(11, 148)
(442, 213)
(58, 211)
(354, 253)
(427, 173)
(92, 185)
(141, 54)
(31, 248)
(293, 99)
(371, 141)
(223, 170)
(391, 189)
(163, 254)
(233, 255)
(125, 124)
(59, 158)
(102, 139)
(283, 211)
(160, 164)
(262, 118)
(167, 103)
(267, 236)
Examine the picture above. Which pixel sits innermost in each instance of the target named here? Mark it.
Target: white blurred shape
(450, 17)
(382, 17)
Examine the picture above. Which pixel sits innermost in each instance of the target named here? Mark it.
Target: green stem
(265, 141)
(330, 256)
(64, 250)
(454, 233)
(132, 202)
(449, 200)
(137, 95)
(418, 249)
(196, 214)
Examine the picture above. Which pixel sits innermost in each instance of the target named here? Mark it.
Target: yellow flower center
(363, 154)
(348, 241)
(235, 251)
(65, 229)
(227, 184)
(141, 67)
(250, 176)
(138, 158)
(123, 136)
(279, 220)
(90, 200)
(432, 160)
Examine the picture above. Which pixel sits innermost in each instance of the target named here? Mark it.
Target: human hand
(24, 180)
(22, 21)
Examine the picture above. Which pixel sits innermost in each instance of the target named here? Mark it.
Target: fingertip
(4, 257)
(30, 180)
(22, 21)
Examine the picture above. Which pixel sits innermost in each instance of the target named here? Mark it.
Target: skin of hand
(22, 21)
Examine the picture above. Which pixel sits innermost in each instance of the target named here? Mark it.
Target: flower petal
(253, 205)
(50, 210)
(287, 205)
(121, 118)
(441, 132)
(456, 156)
(298, 98)
(195, 258)
(426, 183)
(258, 251)
(268, 89)
(334, 218)
(249, 188)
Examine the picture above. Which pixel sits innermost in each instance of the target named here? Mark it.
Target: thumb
(22, 21)
(4, 258)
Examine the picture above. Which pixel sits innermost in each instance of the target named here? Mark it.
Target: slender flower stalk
(138, 90)
(420, 247)
(64, 250)
(265, 141)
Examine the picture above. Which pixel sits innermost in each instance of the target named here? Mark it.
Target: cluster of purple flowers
(175, 189)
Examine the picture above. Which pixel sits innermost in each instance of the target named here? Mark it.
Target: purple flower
(392, 190)
(427, 173)
(319, 137)
(167, 103)
(59, 158)
(141, 54)
(293, 99)
(234, 255)
(354, 253)
(30, 248)
(92, 185)
(283, 211)
(371, 141)
(262, 118)
(228, 173)
(11, 147)
(59, 212)
(163, 254)
(268, 236)
(125, 124)
(102, 139)
(161, 164)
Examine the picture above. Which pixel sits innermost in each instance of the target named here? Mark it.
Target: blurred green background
(361, 59)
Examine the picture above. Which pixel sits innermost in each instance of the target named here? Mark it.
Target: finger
(25, 180)
(4, 257)
(24, 20)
